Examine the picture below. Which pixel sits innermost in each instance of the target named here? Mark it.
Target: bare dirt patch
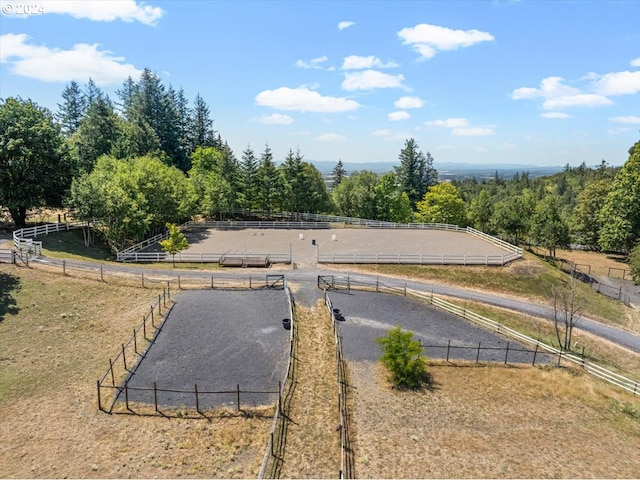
(57, 336)
(494, 422)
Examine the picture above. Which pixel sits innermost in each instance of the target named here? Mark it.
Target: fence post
(159, 304)
(377, 284)
(142, 275)
(559, 358)
(113, 380)
(620, 293)
(448, 349)
(250, 284)
(64, 267)
(506, 355)
(99, 401)
(534, 355)
(144, 326)
(152, 324)
(405, 289)
(101, 274)
(135, 341)
(211, 282)
(124, 358)
(478, 355)
(155, 396)
(197, 402)
(238, 396)
(179, 286)
(126, 395)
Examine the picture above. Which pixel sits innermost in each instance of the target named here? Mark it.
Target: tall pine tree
(416, 173)
(72, 109)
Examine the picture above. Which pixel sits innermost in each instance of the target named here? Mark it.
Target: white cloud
(399, 115)
(472, 132)
(428, 40)
(449, 123)
(630, 119)
(314, 63)
(275, 119)
(304, 100)
(345, 24)
(382, 133)
(616, 83)
(408, 102)
(82, 62)
(555, 115)
(96, 10)
(331, 137)
(356, 62)
(507, 146)
(635, 62)
(558, 95)
(370, 79)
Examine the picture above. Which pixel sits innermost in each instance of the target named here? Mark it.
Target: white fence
(22, 238)
(418, 259)
(7, 255)
(202, 257)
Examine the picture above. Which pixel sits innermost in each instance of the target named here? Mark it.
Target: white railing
(201, 257)
(145, 243)
(7, 255)
(240, 224)
(417, 259)
(21, 236)
(494, 240)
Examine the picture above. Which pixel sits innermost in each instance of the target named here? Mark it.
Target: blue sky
(524, 82)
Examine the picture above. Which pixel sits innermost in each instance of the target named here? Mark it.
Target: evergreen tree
(201, 133)
(97, 134)
(292, 174)
(249, 176)
(270, 186)
(71, 111)
(415, 173)
(92, 93)
(126, 95)
(338, 174)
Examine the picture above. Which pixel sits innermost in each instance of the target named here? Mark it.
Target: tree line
(151, 158)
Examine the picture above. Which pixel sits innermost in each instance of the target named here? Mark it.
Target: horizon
(473, 82)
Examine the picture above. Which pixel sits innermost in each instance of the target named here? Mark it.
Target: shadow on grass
(71, 243)
(8, 305)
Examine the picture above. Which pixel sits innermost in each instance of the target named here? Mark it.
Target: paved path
(308, 277)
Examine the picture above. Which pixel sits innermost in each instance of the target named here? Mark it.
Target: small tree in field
(402, 355)
(175, 243)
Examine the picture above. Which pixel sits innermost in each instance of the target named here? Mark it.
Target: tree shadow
(8, 305)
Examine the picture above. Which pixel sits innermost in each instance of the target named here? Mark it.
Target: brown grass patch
(495, 422)
(53, 350)
(312, 444)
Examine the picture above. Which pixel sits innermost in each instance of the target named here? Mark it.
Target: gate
(275, 282)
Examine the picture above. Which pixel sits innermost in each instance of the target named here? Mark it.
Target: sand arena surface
(347, 241)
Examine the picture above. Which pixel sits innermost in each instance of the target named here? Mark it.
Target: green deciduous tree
(35, 166)
(634, 263)
(547, 227)
(480, 210)
(175, 243)
(441, 204)
(392, 204)
(619, 217)
(584, 223)
(511, 216)
(403, 357)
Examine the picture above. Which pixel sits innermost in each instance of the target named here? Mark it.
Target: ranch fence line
(7, 255)
(417, 259)
(493, 353)
(347, 460)
(631, 386)
(273, 459)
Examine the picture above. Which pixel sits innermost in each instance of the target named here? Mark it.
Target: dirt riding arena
(338, 241)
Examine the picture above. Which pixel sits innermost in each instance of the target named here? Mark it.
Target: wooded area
(150, 158)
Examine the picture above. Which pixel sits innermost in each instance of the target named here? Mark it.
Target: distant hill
(448, 170)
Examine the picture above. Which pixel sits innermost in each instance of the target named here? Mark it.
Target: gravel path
(217, 339)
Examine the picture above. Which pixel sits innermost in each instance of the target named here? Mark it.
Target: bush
(402, 356)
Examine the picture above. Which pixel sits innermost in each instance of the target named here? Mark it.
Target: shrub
(402, 356)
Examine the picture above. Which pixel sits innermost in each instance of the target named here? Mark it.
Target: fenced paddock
(345, 284)
(216, 348)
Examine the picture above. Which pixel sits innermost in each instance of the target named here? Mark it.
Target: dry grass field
(57, 334)
(494, 422)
